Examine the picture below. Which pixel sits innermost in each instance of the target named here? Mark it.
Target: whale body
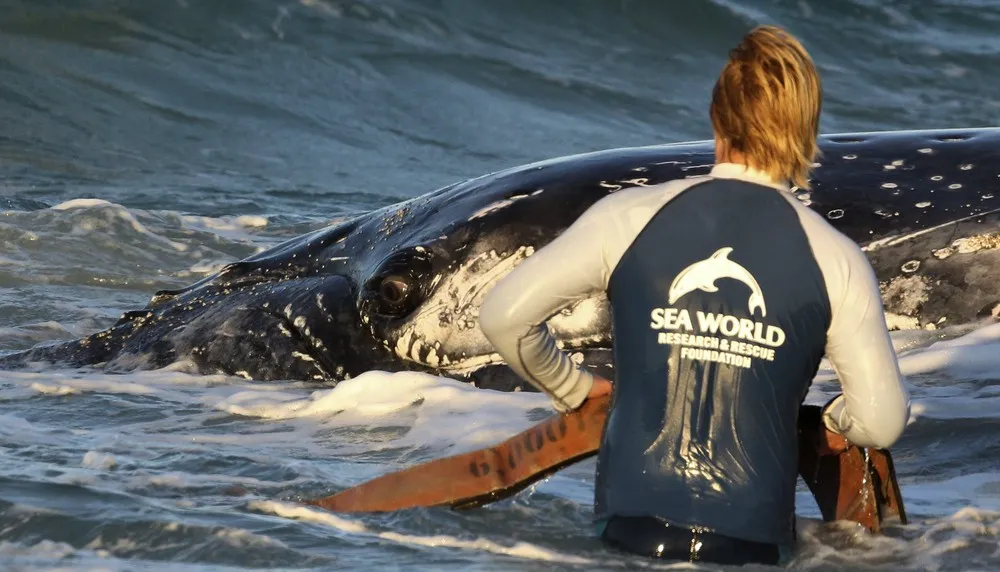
(399, 288)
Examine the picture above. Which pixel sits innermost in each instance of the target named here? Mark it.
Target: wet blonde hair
(766, 105)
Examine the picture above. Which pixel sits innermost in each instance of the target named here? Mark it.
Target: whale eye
(398, 286)
(394, 290)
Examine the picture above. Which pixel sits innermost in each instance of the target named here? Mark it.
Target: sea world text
(708, 323)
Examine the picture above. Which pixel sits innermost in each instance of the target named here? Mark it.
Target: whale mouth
(469, 365)
(490, 371)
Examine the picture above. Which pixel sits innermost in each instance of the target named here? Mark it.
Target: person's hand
(600, 388)
(831, 443)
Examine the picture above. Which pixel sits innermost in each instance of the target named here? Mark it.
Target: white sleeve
(875, 405)
(575, 266)
(570, 268)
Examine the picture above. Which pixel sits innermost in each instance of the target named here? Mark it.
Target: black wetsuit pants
(650, 537)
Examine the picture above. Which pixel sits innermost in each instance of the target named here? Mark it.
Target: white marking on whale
(894, 240)
(702, 276)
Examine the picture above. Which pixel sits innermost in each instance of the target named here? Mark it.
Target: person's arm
(572, 267)
(874, 407)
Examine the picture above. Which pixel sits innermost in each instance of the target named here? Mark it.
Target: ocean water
(143, 145)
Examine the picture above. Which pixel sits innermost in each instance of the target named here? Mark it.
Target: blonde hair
(766, 105)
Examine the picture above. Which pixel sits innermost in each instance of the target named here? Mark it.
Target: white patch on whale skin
(444, 333)
(925, 150)
(900, 322)
(501, 204)
(923, 204)
(903, 297)
(432, 357)
(408, 347)
(943, 253)
(302, 356)
(638, 182)
(471, 286)
(695, 167)
(403, 344)
(435, 281)
(976, 243)
(415, 349)
(470, 364)
(896, 239)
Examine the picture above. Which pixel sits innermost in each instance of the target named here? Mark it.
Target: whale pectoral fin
(721, 253)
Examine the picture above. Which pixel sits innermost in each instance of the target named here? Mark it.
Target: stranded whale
(399, 288)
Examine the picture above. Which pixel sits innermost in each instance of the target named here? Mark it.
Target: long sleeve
(875, 405)
(571, 268)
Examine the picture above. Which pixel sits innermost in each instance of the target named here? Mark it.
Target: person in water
(726, 292)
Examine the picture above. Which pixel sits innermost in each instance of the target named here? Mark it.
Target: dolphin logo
(702, 276)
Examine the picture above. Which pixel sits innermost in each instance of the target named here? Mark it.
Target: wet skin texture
(399, 288)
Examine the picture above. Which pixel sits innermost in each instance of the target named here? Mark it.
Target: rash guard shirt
(874, 406)
(725, 293)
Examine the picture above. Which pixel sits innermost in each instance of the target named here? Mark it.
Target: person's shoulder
(816, 226)
(646, 194)
(842, 261)
(633, 206)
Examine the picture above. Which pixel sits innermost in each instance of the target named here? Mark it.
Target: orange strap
(859, 484)
(483, 476)
(846, 487)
